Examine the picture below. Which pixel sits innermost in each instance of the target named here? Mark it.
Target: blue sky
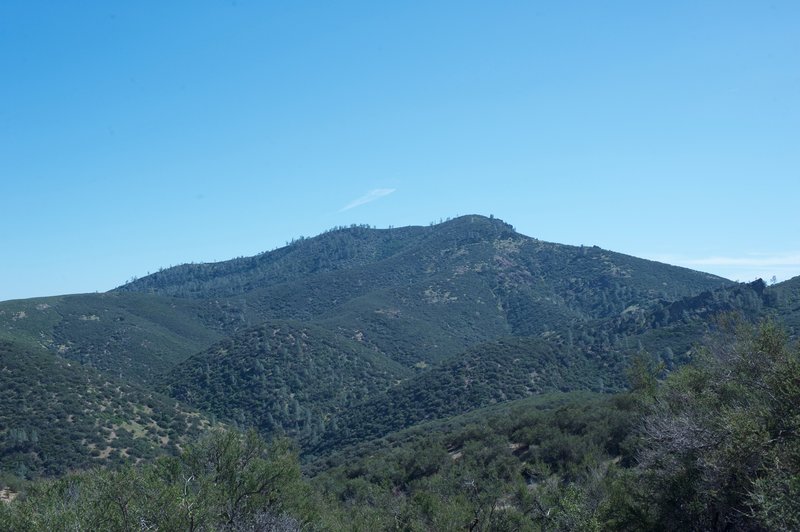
(138, 135)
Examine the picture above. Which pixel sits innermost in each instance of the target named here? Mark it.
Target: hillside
(489, 373)
(787, 301)
(426, 251)
(712, 447)
(591, 356)
(131, 336)
(283, 376)
(56, 416)
(422, 294)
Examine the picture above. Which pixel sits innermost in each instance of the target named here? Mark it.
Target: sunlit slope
(129, 335)
(57, 415)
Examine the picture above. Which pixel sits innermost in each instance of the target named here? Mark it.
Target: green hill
(283, 376)
(131, 336)
(787, 300)
(422, 294)
(494, 372)
(56, 415)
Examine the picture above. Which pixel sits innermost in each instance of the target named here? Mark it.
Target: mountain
(485, 244)
(478, 312)
(359, 332)
(422, 294)
(460, 368)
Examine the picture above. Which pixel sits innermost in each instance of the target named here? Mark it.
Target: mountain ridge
(359, 332)
(467, 280)
(451, 234)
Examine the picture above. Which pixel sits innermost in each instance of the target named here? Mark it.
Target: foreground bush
(228, 481)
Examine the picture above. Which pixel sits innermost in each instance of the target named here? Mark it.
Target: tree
(721, 444)
(643, 375)
(228, 481)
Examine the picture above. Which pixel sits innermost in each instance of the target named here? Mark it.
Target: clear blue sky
(136, 135)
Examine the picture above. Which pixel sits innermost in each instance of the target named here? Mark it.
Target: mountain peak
(472, 221)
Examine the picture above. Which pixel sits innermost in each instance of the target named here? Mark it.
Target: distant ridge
(337, 249)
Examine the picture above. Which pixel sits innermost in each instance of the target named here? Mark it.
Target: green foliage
(131, 336)
(643, 375)
(494, 372)
(715, 448)
(377, 306)
(228, 481)
(491, 469)
(414, 367)
(720, 447)
(283, 376)
(57, 416)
